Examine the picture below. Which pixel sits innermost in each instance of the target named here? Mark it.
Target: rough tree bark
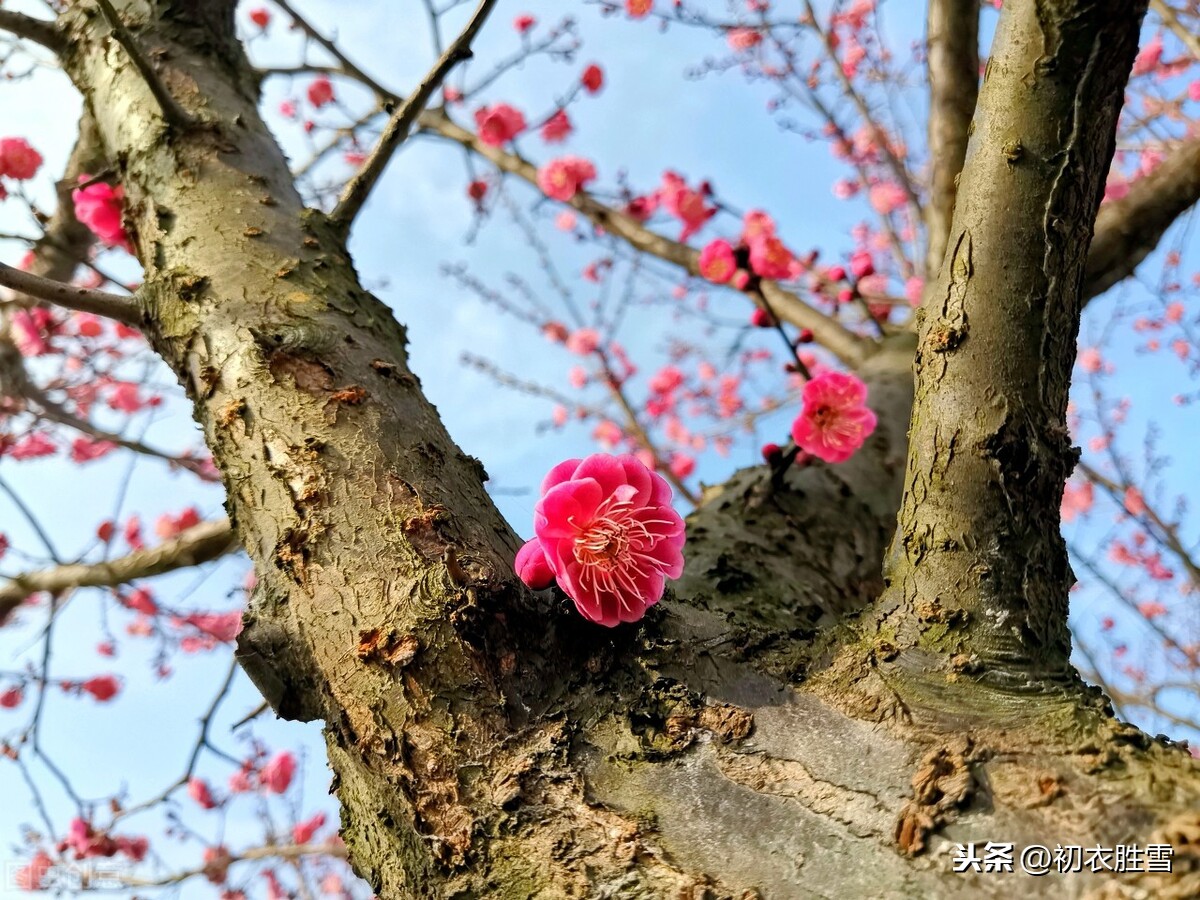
(759, 734)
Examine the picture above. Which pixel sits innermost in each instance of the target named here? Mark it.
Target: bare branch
(39, 31)
(118, 307)
(953, 37)
(1186, 35)
(1128, 230)
(198, 544)
(1167, 532)
(847, 346)
(172, 111)
(398, 127)
(349, 68)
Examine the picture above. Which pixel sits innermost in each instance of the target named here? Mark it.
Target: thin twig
(124, 309)
(173, 113)
(198, 544)
(401, 122)
(331, 48)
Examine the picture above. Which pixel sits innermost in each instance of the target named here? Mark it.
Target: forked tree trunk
(752, 737)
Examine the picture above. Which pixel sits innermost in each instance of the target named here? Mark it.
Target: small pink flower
(524, 22)
(224, 627)
(583, 341)
(667, 379)
(85, 449)
(169, 526)
(98, 206)
(770, 258)
(562, 178)
(593, 79)
(498, 124)
(320, 91)
(18, 160)
(32, 446)
(557, 127)
(742, 39)
(1077, 500)
(566, 221)
(886, 197)
(861, 264)
(199, 791)
(717, 262)
(835, 420)
(277, 774)
(102, 687)
(32, 877)
(1090, 360)
(1134, 502)
(682, 465)
(686, 204)
(303, 832)
(610, 536)
(1149, 57)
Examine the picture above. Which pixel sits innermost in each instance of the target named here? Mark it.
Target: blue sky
(651, 116)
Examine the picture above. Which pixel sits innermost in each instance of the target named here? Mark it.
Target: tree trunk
(744, 740)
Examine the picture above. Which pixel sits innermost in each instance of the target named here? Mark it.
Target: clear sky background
(652, 115)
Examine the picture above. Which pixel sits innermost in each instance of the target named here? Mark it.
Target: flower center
(602, 544)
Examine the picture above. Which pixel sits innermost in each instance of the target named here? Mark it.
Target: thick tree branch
(847, 346)
(39, 31)
(1128, 230)
(953, 37)
(397, 129)
(120, 308)
(989, 448)
(198, 544)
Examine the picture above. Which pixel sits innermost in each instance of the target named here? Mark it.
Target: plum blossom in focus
(835, 420)
(607, 533)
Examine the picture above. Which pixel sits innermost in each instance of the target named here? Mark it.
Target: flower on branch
(835, 420)
(607, 532)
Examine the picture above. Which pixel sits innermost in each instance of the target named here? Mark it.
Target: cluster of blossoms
(18, 161)
(606, 532)
(759, 252)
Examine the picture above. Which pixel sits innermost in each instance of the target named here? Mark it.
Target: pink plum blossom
(498, 124)
(592, 79)
(277, 774)
(18, 160)
(835, 420)
(609, 535)
(98, 206)
(717, 262)
(562, 178)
